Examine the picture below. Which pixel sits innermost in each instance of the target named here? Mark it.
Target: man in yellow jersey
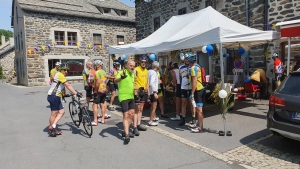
(125, 79)
(100, 89)
(197, 91)
(112, 86)
(141, 82)
(56, 91)
(88, 80)
(54, 71)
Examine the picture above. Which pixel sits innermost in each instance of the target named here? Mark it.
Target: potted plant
(224, 104)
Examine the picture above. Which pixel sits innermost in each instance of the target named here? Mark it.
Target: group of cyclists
(136, 85)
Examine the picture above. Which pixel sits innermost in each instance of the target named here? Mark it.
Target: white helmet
(98, 62)
(57, 64)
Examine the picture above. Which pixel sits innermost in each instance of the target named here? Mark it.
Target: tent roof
(297, 21)
(206, 26)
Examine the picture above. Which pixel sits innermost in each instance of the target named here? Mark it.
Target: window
(97, 39)
(76, 66)
(120, 40)
(290, 86)
(211, 3)
(156, 23)
(106, 10)
(59, 37)
(123, 13)
(72, 38)
(182, 11)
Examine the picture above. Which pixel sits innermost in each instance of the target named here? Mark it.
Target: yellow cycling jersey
(53, 71)
(101, 74)
(196, 71)
(57, 87)
(141, 78)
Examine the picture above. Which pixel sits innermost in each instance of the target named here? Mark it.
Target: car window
(290, 86)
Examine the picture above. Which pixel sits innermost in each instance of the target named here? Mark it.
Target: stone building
(70, 31)
(7, 55)
(259, 14)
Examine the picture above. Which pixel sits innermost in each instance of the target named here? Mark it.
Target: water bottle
(193, 103)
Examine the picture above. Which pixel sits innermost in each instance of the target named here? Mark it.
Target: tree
(6, 33)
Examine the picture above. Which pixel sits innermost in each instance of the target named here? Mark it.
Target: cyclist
(153, 91)
(53, 72)
(56, 91)
(113, 87)
(141, 82)
(160, 97)
(125, 79)
(278, 69)
(88, 80)
(197, 91)
(185, 73)
(176, 83)
(100, 90)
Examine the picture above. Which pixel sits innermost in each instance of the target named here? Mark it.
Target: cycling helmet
(116, 64)
(64, 66)
(57, 64)
(144, 57)
(274, 55)
(98, 62)
(192, 58)
(174, 65)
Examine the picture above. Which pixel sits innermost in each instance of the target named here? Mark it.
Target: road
(25, 142)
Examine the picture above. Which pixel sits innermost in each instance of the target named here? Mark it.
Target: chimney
(2, 39)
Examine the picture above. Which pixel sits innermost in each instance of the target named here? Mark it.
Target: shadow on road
(114, 131)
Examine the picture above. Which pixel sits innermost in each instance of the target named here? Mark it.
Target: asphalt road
(25, 142)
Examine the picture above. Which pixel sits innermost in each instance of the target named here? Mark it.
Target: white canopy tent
(206, 26)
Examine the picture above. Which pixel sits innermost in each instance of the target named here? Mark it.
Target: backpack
(203, 74)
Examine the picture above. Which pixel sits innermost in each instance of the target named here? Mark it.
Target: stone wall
(7, 62)
(39, 31)
(283, 10)
(35, 69)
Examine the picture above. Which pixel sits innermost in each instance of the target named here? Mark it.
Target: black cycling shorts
(185, 93)
(143, 96)
(89, 91)
(178, 91)
(112, 87)
(278, 76)
(100, 98)
(127, 105)
(152, 98)
(198, 97)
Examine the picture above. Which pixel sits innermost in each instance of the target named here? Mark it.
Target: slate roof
(11, 48)
(80, 8)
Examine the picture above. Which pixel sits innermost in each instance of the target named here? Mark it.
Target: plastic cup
(207, 78)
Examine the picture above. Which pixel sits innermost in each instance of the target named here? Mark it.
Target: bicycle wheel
(74, 113)
(86, 121)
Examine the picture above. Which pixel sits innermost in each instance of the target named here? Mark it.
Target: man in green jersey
(125, 79)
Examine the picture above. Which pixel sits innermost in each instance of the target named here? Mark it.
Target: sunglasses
(143, 62)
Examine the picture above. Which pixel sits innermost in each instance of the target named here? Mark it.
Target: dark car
(283, 117)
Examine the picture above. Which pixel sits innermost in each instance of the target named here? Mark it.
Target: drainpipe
(247, 24)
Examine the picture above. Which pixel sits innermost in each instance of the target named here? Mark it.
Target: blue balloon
(152, 57)
(209, 48)
(124, 57)
(241, 51)
(209, 53)
(181, 55)
(247, 80)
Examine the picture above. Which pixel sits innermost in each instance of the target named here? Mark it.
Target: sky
(5, 12)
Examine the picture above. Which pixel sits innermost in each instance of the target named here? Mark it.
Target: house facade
(71, 32)
(259, 14)
(7, 55)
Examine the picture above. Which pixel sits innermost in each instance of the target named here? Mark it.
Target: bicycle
(79, 114)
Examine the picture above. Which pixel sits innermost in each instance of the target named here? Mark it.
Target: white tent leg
(289, 57)
(221, 64)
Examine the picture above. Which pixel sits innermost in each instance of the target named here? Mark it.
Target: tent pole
(221, 65)
(289, 57)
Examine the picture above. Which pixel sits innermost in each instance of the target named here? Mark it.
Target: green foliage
(219, 102)
(6, 33)
(1, 73)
